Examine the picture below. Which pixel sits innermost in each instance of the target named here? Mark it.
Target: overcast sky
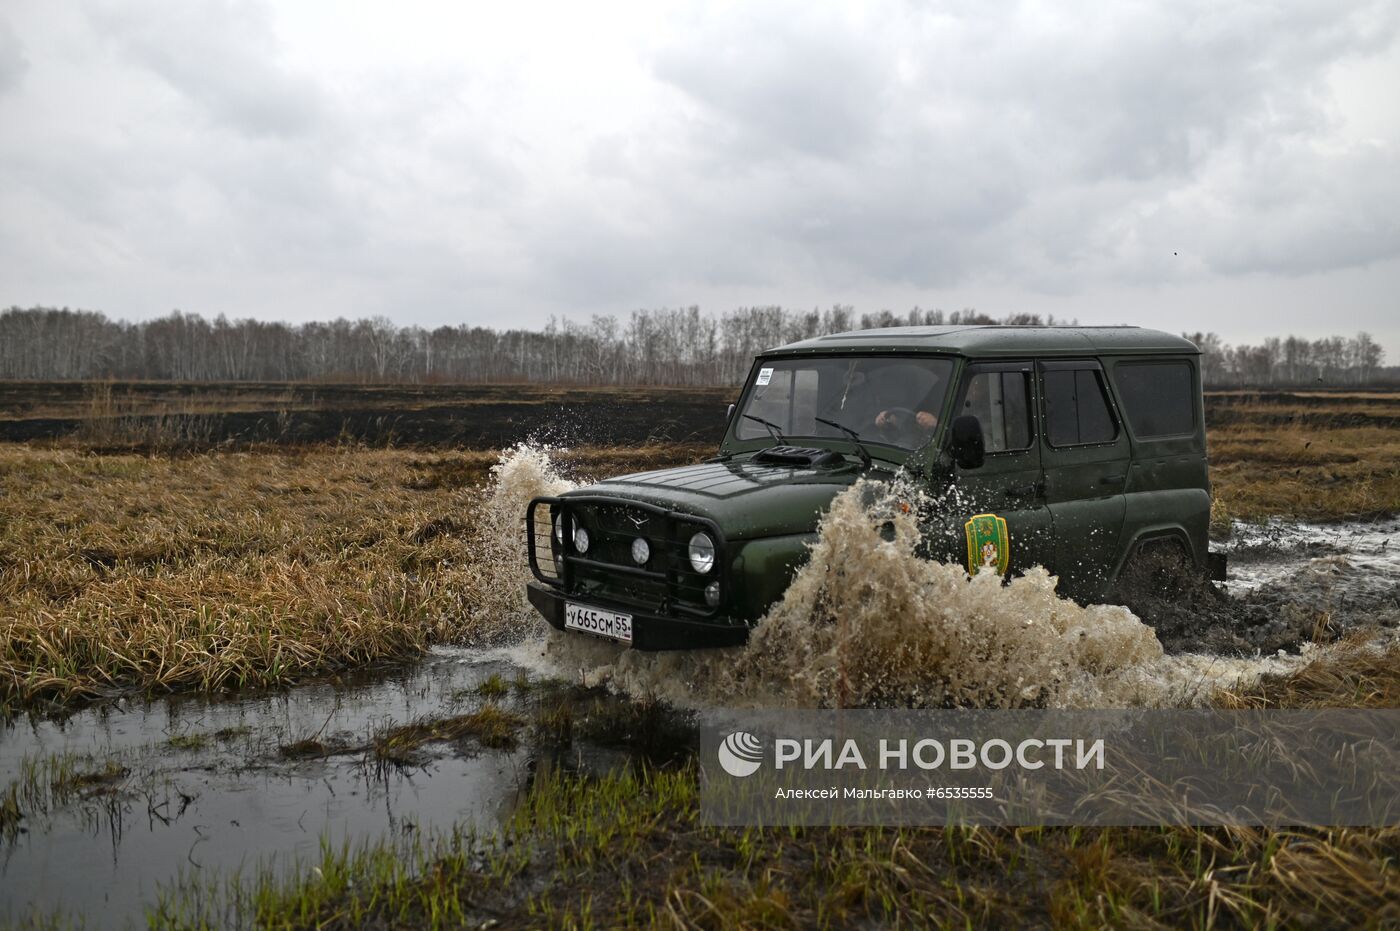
(1185, 165)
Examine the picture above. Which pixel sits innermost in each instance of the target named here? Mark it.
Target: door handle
(1113, 480)
(1024, 491)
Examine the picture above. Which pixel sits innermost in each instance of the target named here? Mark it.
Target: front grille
(666, 584)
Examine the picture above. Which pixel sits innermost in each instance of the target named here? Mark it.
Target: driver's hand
(884, 419)
(926, 420)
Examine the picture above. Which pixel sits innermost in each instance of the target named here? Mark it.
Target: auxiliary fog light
(712, 594)
(581, 539)
(641, 551)
(558, 530)
(702, 553)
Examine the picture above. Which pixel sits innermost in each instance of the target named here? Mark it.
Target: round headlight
(712, 594)
(558, 530)
(702, 553)
(580, 539)
(641, 551)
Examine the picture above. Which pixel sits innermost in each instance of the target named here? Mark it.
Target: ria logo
(740, 754)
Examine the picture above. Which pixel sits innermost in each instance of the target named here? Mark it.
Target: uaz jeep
(1074, 448)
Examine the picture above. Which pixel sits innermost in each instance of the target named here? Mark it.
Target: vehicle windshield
(894, 401)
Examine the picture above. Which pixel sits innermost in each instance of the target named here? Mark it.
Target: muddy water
(1352, 564)
(237, 801)
(1291, 584)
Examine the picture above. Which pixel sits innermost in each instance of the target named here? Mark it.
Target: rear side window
(1001, 402)
(1076, 408)
(1158, 398)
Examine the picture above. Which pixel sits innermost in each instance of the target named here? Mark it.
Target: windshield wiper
(773, 429)
(865, 459)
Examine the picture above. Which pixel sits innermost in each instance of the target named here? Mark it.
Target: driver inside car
(876, 396)
(920, 418)
(926, 420)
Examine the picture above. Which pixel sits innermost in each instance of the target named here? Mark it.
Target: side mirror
(969, 450)
(729, 415)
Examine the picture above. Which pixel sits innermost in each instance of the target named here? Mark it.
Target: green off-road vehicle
(1081, 449)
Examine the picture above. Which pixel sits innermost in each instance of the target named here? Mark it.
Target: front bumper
(649, 631)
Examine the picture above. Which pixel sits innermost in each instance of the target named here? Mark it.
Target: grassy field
(234, 570)
(135, 566)
(1313, 457)
(226, 569)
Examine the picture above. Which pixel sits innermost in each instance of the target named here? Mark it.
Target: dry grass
(1261, 471)
(1356, 674)
(1268, 461)
(261, 567)
(258, 568)
(235, 570)
(491, 725)
(113, 420)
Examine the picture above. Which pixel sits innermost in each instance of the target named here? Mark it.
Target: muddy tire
(1159, 580)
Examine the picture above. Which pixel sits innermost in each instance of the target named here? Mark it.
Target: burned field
(194, 618)
(164, 415)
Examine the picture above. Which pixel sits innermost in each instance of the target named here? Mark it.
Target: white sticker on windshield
(764, 376)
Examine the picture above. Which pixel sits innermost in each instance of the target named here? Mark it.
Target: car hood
(747, 499)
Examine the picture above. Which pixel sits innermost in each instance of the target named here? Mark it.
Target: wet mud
(1290, 584)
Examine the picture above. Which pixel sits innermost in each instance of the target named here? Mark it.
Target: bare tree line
(679, 346)
(1292, 360)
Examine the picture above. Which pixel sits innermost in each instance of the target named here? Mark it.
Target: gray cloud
(221, 56)
(13, 64)
(215, 156)
(790, 85)
(980, 144)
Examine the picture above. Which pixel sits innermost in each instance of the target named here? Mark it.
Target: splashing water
(868, 622)
(523, 472)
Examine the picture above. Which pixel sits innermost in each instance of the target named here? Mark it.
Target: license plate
(596, 621)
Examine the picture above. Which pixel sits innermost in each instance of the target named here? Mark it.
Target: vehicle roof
(983, 341)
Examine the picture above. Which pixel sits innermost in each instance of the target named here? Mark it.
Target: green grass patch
(49, 783)
(494, 686)
(189, 742)
(627, 851)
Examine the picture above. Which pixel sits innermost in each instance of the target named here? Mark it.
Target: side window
(1001, 402)
(1095, 420)
(1076, 408)
(1158, 397)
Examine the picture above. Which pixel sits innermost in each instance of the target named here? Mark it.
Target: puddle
(1358, 563)
(1290, 584)
(208, 790)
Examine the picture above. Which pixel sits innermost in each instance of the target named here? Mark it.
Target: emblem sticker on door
(988, 544)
